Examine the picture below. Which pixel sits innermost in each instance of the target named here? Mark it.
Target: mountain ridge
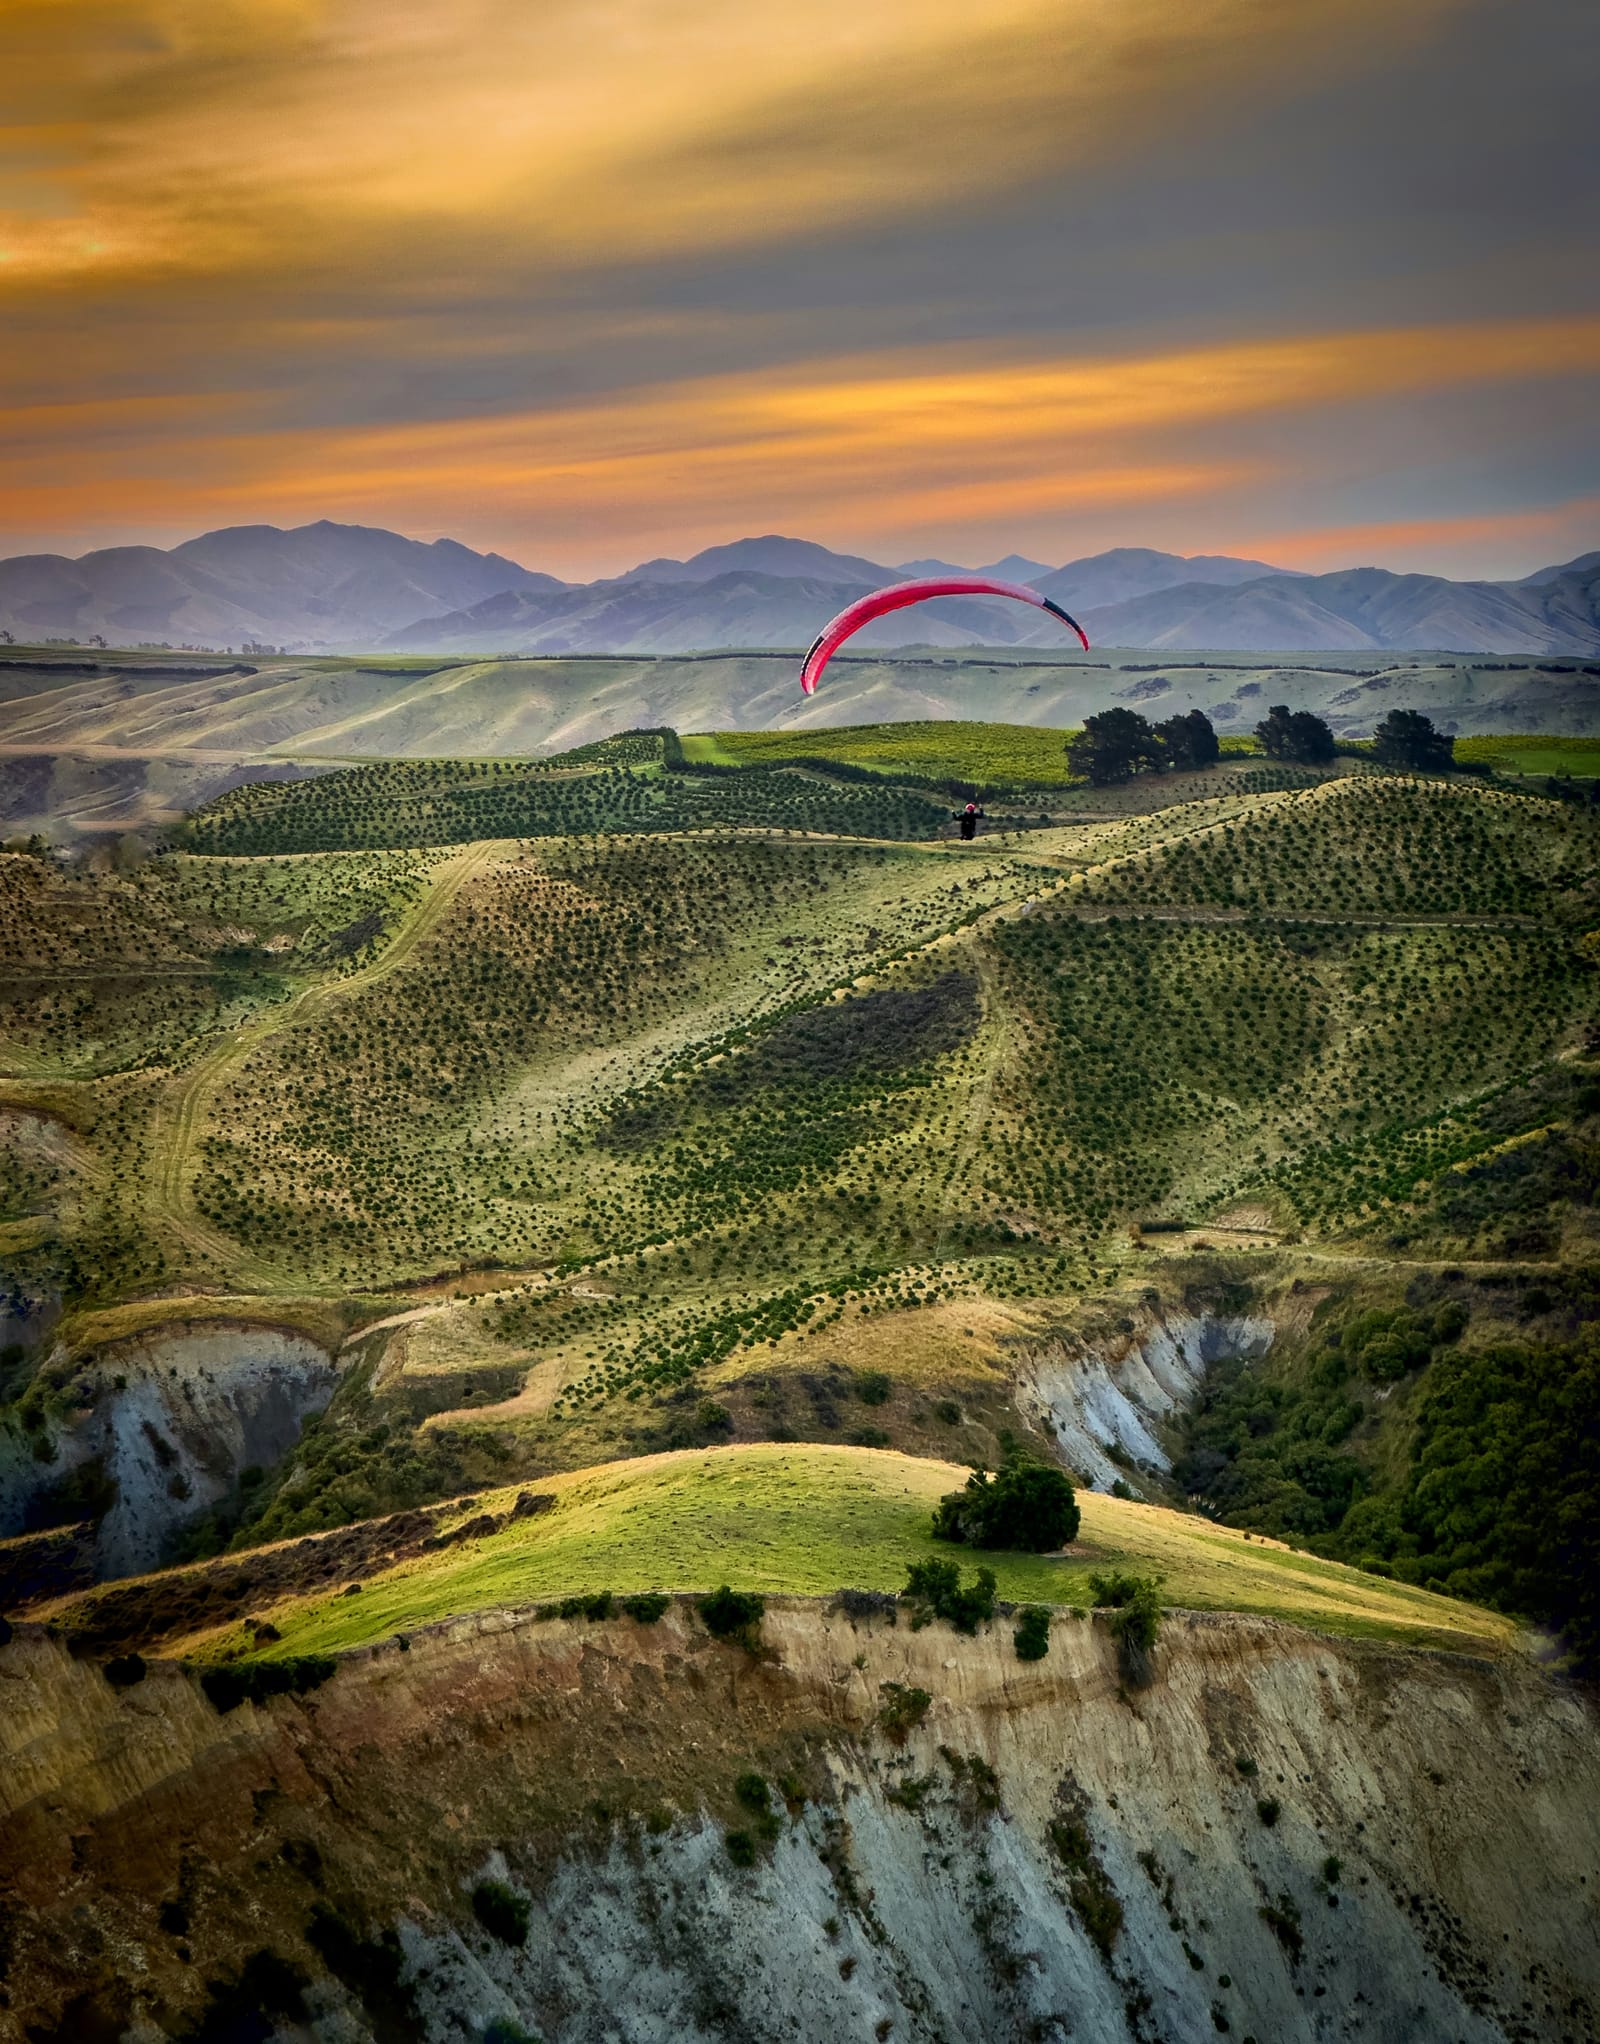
(326, 587)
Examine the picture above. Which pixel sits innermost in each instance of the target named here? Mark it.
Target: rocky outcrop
(1281, 1837)
(1107, 1398)
(168, 1422)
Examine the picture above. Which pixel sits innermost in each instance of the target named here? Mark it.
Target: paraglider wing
(897, 596)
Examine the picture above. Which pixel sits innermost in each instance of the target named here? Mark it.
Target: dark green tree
(1296, 736)
(1190, 741)
(1406, 738)
(1114, 746)
(1028, 1506)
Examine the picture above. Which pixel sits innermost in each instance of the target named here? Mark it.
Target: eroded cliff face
(1109, 1397)
(173, 1418)
(1032, 1852)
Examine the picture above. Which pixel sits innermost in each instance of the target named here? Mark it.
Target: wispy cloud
(909, 443)
(590, 276)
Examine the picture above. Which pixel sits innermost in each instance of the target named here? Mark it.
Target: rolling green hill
(812, 1520)
(642, 1105)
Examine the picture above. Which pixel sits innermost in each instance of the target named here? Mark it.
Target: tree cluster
(1296, 736)
(1117, 744)
(1028, 1506)
(1406, 738)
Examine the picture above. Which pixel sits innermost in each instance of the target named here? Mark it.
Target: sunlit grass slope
(810, 1520)
(1544, 753)
(968, 751)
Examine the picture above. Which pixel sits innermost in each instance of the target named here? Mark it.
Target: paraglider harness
(968, 820)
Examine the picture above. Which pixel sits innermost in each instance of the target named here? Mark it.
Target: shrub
(268, 1987)
(502, 1911)
(934, 1590)
(741, 1848)
(859, 1604)
(1135, 1602)
(1282, 1918)
(903, 1710)
(867, 1437)
(231, 1684)
(594, 1604)
(646, 1606)
(1028, 1506)
(873, 1387)
(752, 1791)
(370, 1967)
(734, 1615)
(1032, 1636)
(712, 1418)
(124, 1670)
(947, 1412)
(1269, 1810)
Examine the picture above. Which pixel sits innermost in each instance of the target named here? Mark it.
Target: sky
(590, 281)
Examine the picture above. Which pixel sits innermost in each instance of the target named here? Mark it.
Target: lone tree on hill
(1406, 738)
(1190, 742)
(1113, 747)
(1295, 735)
(1029, 1506)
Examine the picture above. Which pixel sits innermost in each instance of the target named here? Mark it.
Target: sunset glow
(604, 278)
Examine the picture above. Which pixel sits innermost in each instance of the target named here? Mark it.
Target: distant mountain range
(327, 587)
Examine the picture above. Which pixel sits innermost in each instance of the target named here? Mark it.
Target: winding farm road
(183, 1109)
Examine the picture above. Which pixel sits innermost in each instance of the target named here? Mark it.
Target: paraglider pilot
(968, 819)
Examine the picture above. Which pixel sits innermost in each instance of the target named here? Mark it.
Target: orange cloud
(906, 443)
(230, 137)
(1539, 534)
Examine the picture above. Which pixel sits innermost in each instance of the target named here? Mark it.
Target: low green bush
(1135, 1605)
(903, 1709)
(734, 1615)
(503, 1913)
(934, 1590)
(646, 1606)
(1282, 1918)
(1032, 1636)
(233, 1683)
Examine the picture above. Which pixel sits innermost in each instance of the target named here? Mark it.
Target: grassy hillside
(645, 1135)
(447, 802)
(146, 708)
(967, 751)
(813, 1520)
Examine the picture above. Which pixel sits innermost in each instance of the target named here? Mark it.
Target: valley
(464, 1210)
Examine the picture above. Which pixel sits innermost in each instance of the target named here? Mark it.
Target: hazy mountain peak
(1016, 568)
(771, 554)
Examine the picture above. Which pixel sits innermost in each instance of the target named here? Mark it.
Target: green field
(965, 751)
(812, 1520)
(1579, 757)
(1004, 755)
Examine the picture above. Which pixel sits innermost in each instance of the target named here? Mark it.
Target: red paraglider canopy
(898, 595)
